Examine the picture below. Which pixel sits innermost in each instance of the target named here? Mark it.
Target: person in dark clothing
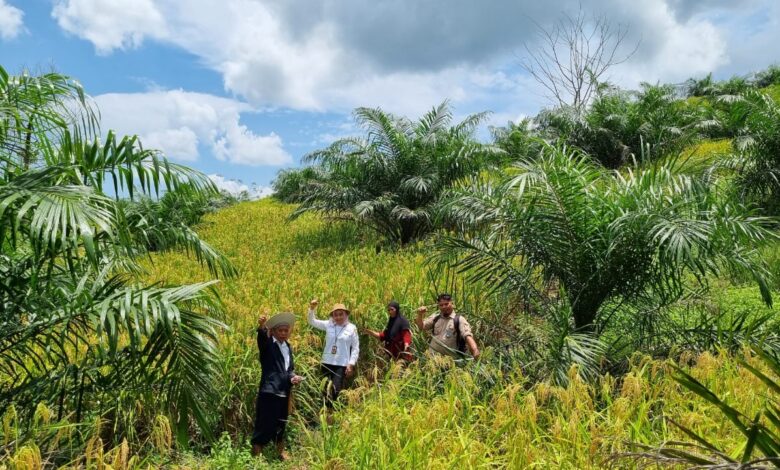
(397, 335)
(278, 377)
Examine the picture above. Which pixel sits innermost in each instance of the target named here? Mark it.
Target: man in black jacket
(278, 377)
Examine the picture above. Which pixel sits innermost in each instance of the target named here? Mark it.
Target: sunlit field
(431, 414)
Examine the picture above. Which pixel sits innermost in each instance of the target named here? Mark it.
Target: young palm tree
(600, 235)
(620, 127)
(392, 178)
(79, 329)
(755, 159)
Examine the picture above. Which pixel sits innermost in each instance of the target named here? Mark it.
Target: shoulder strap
(460, 341)
(435, 319)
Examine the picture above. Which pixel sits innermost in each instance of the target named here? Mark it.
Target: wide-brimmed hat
(280, 319)
(339, 307)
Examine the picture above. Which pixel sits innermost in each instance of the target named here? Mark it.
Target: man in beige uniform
(442, 327)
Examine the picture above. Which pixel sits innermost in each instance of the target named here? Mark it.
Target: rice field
(432, 414)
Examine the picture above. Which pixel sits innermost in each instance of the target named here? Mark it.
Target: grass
(773, 91)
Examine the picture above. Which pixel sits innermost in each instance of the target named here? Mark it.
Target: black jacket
(275, 379)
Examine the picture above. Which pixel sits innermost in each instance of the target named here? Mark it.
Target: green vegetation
(392, 178)
(621, 127)
(623, 309)
(81, 334)
(756, 150)
(600, 236)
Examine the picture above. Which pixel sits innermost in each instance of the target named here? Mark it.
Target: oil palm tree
(79, 327)
(602, 236)
(392, 178)
(755, 158)
(620, 126)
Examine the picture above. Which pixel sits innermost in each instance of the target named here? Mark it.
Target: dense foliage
(392, 178)
(621, 127)
(570, 261)
(600, 236)
(755, 159)
(707, 86)
(80, 332)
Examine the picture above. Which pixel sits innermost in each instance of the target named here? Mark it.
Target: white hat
(280, 319)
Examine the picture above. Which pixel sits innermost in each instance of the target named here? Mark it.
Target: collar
(277, 341)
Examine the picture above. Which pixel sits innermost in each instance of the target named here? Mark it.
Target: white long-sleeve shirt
(285, 352)
(343, 337)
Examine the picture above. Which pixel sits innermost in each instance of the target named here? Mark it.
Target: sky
(240, 89)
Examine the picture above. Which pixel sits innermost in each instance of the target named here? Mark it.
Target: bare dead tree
(574, 55)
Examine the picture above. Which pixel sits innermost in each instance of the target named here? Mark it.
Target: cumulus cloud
(752, 41)
(110, 24)
(687, 48)
(11, 20)
(404, 55)
(179, 123)
(237, 188)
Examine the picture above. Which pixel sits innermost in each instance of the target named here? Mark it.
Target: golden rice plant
(162, 436)
(430, 414)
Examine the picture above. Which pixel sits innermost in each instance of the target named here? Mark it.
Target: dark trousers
(270, 418)
(335, 382)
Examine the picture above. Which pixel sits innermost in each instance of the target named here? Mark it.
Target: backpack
(460, 341)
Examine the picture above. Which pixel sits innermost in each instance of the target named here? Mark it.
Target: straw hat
(339, 307)
(280, 319)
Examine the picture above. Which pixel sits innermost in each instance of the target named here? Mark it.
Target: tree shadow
(331, 236)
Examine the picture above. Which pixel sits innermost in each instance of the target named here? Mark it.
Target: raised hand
(313, 304)
(261, 321)
(422, 311)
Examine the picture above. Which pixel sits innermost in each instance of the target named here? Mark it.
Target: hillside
(430, 414)
(593, 285)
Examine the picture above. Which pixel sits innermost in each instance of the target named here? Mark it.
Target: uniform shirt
(444, 340)
(343, 337)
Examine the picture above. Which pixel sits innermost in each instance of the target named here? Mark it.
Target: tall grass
(431, 414)
(428, 419)
(428, 415)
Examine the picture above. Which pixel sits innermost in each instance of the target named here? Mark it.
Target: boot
(257, 449)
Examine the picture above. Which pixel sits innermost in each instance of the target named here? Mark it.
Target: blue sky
(242, 88)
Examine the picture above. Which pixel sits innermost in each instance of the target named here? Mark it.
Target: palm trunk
(585, 309)
(408, 232)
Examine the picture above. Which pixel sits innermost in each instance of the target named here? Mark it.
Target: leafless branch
(573, 56)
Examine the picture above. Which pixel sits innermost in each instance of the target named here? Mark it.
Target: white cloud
(181, 143)
(240, 145)
(753, 41)
(11, 20)
(236, 187)
(685, 49)
(335, 55)
(110, 24)
(178, 123)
